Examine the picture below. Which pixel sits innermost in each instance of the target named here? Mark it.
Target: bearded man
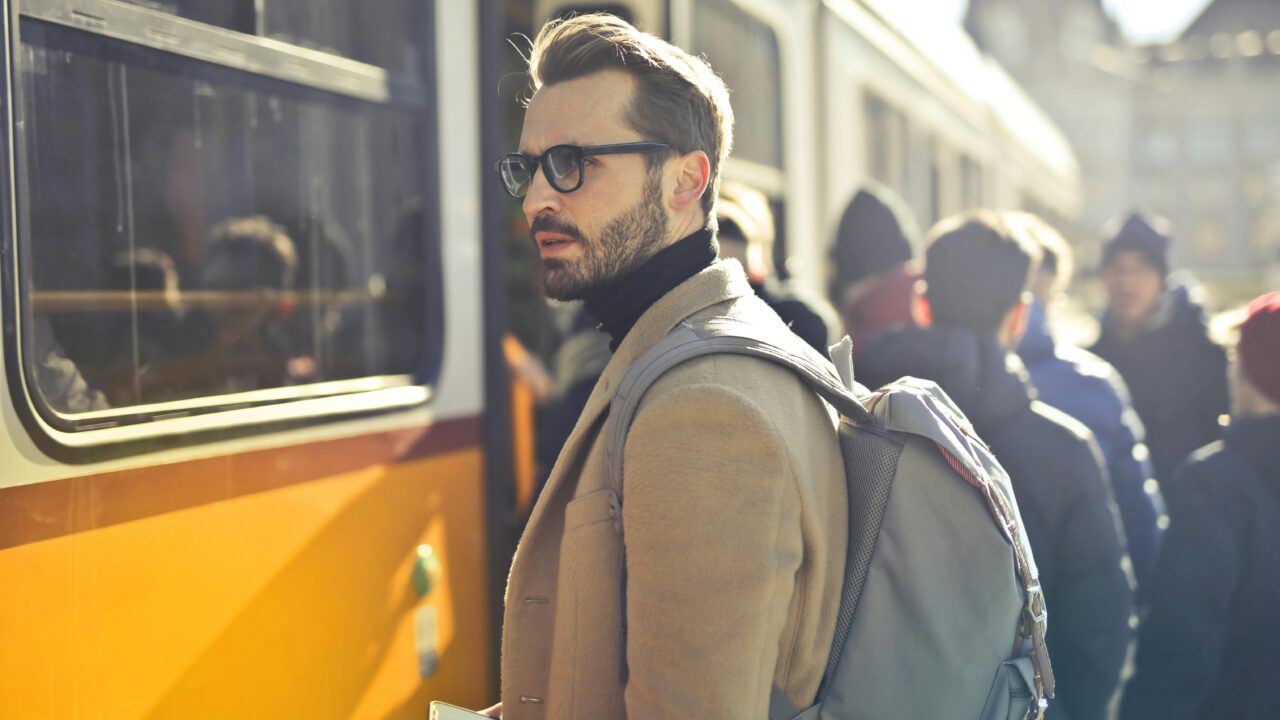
(719, 575)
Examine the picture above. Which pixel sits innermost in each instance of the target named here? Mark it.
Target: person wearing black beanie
(1135, 262)
(876, 233)
(873, 275)
(1155, 334)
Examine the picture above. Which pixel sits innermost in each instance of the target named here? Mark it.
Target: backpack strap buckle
(1032, 627)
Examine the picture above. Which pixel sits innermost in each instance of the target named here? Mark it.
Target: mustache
(543, 223)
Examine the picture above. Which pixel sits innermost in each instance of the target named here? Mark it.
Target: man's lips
(550, 243)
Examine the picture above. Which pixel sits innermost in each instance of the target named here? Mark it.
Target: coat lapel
(721, 282)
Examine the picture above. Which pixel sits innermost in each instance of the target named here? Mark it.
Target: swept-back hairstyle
(678, 100)
(975, 269)
(1056, 258)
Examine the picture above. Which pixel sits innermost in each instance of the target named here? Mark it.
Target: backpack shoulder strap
(692, 339)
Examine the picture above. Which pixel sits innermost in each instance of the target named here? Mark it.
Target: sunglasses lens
(514, 170)
(563, 166)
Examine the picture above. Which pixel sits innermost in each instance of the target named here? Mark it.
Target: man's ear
(693, 174)
(921, 312)
(1015, 321)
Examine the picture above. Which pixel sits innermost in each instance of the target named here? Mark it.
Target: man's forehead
(584, 111)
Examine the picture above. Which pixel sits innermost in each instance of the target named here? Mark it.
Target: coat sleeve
(1090, 596)
(1182, 639)
(1215, 394)
(711, 518)
(1141, 505)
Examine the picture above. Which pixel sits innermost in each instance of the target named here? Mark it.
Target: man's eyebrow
(530, 153)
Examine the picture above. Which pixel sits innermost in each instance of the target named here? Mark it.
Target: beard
(624, 245)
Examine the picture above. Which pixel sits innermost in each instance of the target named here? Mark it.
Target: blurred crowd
(1146, 466)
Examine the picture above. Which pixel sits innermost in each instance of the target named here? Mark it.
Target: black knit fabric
(617, 308)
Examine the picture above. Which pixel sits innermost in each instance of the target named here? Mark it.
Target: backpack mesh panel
(872, 457)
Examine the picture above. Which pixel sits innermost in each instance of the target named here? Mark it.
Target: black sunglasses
(561, 164)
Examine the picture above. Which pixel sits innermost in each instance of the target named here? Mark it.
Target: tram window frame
(768, 175)
(389, 96)
(886, 141)
(756, 29)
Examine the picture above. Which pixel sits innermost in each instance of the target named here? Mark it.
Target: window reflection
(195, 231)
(231, 14)
(380, 33)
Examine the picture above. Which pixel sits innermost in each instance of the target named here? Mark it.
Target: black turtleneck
(617, 308)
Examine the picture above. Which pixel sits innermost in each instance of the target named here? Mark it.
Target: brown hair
(679, 100)
(976, 268)
(1056, 258)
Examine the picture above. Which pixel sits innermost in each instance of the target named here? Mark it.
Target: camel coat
(734, 518)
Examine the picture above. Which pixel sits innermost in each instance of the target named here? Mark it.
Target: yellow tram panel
(256, 585)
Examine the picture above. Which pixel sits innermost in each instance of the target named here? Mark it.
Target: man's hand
(493, 712)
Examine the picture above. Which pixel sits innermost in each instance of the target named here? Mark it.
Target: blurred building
(1189, 128)
(1068, 54)
(1207, 150)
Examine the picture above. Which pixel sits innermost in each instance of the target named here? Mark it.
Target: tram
(242, 452)
(260, 450)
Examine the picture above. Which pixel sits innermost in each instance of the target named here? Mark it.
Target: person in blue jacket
(1089, 389)
(1210, 646)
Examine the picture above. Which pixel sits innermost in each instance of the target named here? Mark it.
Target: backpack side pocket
(1012, 695)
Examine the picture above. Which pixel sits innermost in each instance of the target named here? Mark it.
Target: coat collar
(721, 282)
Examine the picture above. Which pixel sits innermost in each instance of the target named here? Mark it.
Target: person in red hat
(1210, 647)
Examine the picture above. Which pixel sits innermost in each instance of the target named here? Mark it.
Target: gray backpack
(941, 614)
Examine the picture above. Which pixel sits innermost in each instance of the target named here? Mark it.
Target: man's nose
(541, 196)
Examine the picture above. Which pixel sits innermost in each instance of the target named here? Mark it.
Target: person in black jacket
(976, 273)
(746, 234)
(1210, 646)
(1154, 333)
(1088, 389)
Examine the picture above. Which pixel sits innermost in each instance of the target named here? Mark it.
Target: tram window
(382, 33)
(192, 231)
(886, 143)
(970, 183)
(235, 15)
(744, 51)
(935, 189)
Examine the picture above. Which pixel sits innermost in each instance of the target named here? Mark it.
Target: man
(731, 536)
(1156, 337)
(976, 271)
(746, 235)
(1088, 389)
(873, 273)
(1210, 646)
